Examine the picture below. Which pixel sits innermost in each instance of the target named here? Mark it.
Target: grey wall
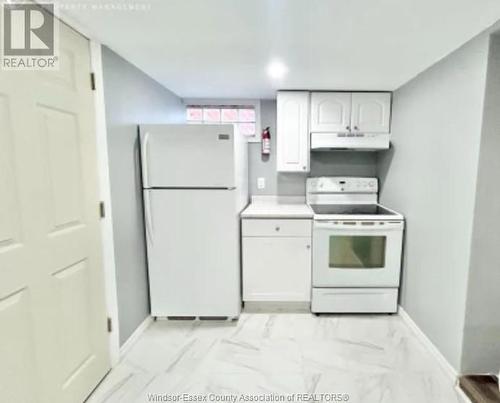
(481, 344)
(259, 166)
(430, 176)
(131, 97)
(322, 163)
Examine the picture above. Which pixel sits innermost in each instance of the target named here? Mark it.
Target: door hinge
(102, 209)
(110, 325)
(92, 81)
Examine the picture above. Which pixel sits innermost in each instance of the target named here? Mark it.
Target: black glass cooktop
(368, 209)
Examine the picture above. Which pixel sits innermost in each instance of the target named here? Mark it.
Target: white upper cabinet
(371, 112)
(345, 112)
(330, 112)
(292, 147)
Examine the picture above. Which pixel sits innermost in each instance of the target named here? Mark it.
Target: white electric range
(357, 247)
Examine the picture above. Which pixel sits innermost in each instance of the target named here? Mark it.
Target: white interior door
(53, 338)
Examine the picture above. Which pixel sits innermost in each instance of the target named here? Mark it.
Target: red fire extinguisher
(266, 141)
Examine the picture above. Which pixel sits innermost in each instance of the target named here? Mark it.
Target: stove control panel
(336, 184)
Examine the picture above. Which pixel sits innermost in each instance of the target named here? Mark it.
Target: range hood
(349, 141)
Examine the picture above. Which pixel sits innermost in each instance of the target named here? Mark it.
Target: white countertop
(277, 207)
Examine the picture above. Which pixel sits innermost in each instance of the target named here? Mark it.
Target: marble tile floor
(371, 358)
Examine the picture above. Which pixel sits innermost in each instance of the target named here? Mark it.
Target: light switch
(261, 183)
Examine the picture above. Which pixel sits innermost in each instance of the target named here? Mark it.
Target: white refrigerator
(195, 184)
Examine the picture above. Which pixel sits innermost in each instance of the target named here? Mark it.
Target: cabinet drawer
(353, 300)
(276, 227)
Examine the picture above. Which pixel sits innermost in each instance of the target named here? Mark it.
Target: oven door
(357, 253)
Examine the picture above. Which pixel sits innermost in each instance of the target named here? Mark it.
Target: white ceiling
(221, 48)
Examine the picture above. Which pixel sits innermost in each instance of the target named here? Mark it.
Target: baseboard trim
(431, 348)
(277, 307)
(135, 336)
(429, 345)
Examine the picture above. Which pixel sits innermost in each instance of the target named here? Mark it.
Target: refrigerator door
(193, 252)
(187, 156)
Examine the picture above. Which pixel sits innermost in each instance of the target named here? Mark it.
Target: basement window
(244, 116)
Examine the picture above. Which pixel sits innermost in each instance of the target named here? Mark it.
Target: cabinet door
(330, 112)
(292, 149)
(371, 112)
(276, 269)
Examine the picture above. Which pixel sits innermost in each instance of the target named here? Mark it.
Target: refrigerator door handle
(149, 221)
(145, 160)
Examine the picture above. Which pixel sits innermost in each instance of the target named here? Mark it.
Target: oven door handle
(360, 225)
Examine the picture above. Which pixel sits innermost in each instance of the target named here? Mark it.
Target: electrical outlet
(261, 183)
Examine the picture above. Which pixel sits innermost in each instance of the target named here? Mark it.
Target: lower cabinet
(276, 260)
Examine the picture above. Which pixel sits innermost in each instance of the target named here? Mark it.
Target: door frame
(107, 236)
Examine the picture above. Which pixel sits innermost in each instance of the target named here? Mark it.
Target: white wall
(430, 176)
(481, 344)
(131, 98)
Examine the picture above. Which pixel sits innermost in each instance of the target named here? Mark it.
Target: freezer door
(196, 156)
(193, 252)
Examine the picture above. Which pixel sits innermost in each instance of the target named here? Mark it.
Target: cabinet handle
(308, 246)
(356, 128)
(348, 127)
(303, 168)
(277, 228)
